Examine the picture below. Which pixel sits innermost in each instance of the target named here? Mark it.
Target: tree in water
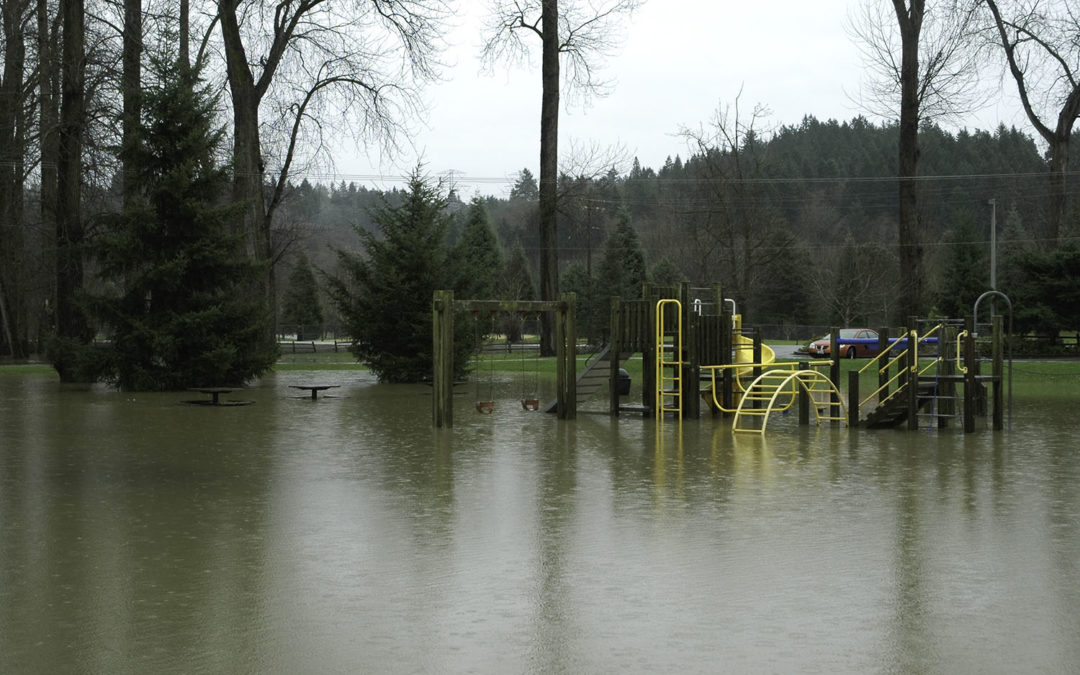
(384, 292)
(178, 310)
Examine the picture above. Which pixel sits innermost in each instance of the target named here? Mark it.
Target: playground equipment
(485, 405)
(443, 307)
(696, 350)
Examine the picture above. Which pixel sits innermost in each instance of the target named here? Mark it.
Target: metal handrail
(959, 351)
(913, 345)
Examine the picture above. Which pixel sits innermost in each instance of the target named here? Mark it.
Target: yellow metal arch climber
(777, 390)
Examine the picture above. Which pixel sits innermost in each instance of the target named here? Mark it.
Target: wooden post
(946, 384)
(648, 357)
(691, 356)
(883, 373)
(970, 383)
(615, 346)
(853, 398)
(442, 329)
(834, 371)
(566, 357)
(912, 369)
(998, 371)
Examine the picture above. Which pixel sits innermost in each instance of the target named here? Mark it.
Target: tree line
(797, 226)
(849, 222)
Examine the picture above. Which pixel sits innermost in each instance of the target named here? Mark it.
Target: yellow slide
(744, 350)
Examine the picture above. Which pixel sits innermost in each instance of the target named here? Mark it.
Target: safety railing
(884, 365)
(716, 374)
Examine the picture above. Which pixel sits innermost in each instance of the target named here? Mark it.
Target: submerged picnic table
(215, 396)
(314, 388)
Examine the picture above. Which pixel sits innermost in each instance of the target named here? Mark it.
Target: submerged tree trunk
(48, 125)
(12, 163)
(911, 253)
(71, 325)
(247, 155)
(549, 169)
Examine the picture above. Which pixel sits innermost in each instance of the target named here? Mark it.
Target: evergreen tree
(517, 277)
(1046, 290)
(301, 306)
(384, 293)
(181, 311)
(592, 309)
(965, 275)
(622, 270)
(665, 273)
(479, 257)
(525, 187)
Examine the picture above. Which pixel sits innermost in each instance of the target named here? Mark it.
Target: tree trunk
(71, 324)
(131, 79)
(247, 154)
(549, 169)
(911, 254)
(12, 162)
(48, 123)
(185, 34)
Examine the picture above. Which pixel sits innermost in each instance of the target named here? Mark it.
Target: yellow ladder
(669, 352)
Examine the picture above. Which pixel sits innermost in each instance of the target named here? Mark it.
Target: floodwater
(140, 534)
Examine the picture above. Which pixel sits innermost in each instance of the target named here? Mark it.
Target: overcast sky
(678, 63)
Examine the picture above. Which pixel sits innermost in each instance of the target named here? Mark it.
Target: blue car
(859, 343)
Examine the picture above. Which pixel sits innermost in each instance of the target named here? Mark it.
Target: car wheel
(851, 352)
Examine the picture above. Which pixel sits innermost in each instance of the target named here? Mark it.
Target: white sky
(678, 63)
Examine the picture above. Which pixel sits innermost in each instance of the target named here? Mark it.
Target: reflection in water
(346, 534)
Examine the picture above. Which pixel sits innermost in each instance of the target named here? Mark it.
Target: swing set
(443, 308)
(529, 376)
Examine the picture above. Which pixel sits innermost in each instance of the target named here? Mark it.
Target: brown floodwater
(142, 534)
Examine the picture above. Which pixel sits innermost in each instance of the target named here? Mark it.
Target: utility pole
(993, 244)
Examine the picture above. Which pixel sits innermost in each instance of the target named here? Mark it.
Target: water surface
(142, 534)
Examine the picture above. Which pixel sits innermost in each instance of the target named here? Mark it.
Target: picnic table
(215, 396)
(314, 388)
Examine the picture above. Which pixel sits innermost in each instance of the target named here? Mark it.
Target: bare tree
(1043, 52)
(733, 233)
(924, 68)
(360, 61)
(580, 32)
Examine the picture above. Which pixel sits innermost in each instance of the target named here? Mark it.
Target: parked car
(852, 343)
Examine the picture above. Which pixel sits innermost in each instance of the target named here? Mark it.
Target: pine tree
(181, 311)
(622, 270)
(384, 293)
(301, 305)
(479, 257)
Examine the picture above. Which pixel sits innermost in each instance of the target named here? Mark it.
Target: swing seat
(530, 403)
(485, 407)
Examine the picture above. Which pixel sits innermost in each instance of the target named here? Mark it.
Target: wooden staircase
(895, 411)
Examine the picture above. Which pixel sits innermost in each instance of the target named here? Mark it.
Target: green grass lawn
(1057, 379)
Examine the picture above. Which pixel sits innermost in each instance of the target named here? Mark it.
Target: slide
(744, 350)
